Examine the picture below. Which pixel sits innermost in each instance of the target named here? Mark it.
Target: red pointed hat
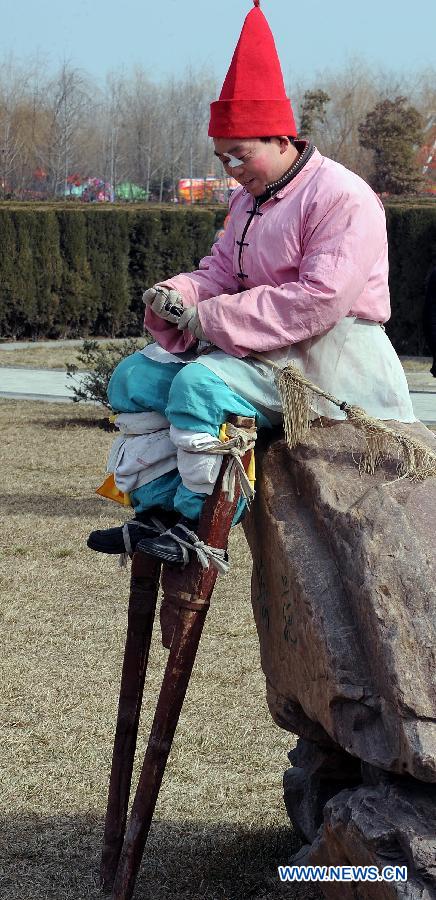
(253, 101)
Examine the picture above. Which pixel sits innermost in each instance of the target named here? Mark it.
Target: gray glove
(166, 303)
(191, 320)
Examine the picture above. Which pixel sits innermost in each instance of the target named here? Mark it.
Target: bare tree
(67, 97)
(112, 113)
(352, 92)
(154, 133)
(13, 85)
(177, 134)
(144, 127)
(198, 94)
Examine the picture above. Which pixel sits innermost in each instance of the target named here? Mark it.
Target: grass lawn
(42, 357)
(220, 828)
(416, 363)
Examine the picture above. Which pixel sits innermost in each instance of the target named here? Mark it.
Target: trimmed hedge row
(73, 272)
(69, 272)
(412, 255)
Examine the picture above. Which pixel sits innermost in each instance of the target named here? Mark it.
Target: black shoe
(164, 547)
(125, 538)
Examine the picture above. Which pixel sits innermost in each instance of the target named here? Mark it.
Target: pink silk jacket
(316, 254)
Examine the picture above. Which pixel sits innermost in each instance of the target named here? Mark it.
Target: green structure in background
(130, 191)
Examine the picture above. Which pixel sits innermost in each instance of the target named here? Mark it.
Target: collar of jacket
(306, 150)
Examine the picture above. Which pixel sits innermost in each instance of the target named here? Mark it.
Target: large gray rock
(343, 592)
(385, 825)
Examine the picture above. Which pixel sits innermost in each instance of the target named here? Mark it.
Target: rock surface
(384, 825)
(317, 774)
(344, 597)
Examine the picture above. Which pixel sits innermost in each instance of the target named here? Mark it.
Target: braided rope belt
(240, 441)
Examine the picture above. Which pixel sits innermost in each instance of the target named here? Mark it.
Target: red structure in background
(75, 179)
(205, 190)
(426, 157)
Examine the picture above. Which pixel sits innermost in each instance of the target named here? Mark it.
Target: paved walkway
(424, 406)
(22, 383)
(52, 385)
(32, 345)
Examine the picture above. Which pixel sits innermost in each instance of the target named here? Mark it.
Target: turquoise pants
(191, 397)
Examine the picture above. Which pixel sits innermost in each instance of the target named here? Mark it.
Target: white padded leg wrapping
(142, 452)
(199, 471)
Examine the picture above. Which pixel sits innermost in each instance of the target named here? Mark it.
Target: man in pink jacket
(300, 275)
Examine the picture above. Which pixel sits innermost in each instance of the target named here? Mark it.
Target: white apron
(354, 360)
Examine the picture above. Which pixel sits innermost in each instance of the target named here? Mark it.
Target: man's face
(252, 162)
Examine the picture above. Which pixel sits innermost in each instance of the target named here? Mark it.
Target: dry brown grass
(41, 357)
(220, 828)
(416, 363)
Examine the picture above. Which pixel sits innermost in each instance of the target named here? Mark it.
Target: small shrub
(100, 361)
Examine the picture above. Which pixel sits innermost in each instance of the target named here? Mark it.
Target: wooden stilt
(174, 685)
(144, 586)
(189, 591)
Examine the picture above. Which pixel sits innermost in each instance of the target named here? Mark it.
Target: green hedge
(75, 271)
(68, 272)
(412, 254)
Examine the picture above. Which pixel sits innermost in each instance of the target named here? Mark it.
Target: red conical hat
(253, 101)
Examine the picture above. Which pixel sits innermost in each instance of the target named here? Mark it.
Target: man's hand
(165, 303)
(190, 320)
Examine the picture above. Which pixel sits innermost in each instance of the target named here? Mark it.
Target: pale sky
(165, 36)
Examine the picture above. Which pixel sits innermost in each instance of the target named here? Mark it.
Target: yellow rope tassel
(414, 459)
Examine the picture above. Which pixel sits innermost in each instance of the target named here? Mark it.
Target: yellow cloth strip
(110, 491)
(251, 471)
